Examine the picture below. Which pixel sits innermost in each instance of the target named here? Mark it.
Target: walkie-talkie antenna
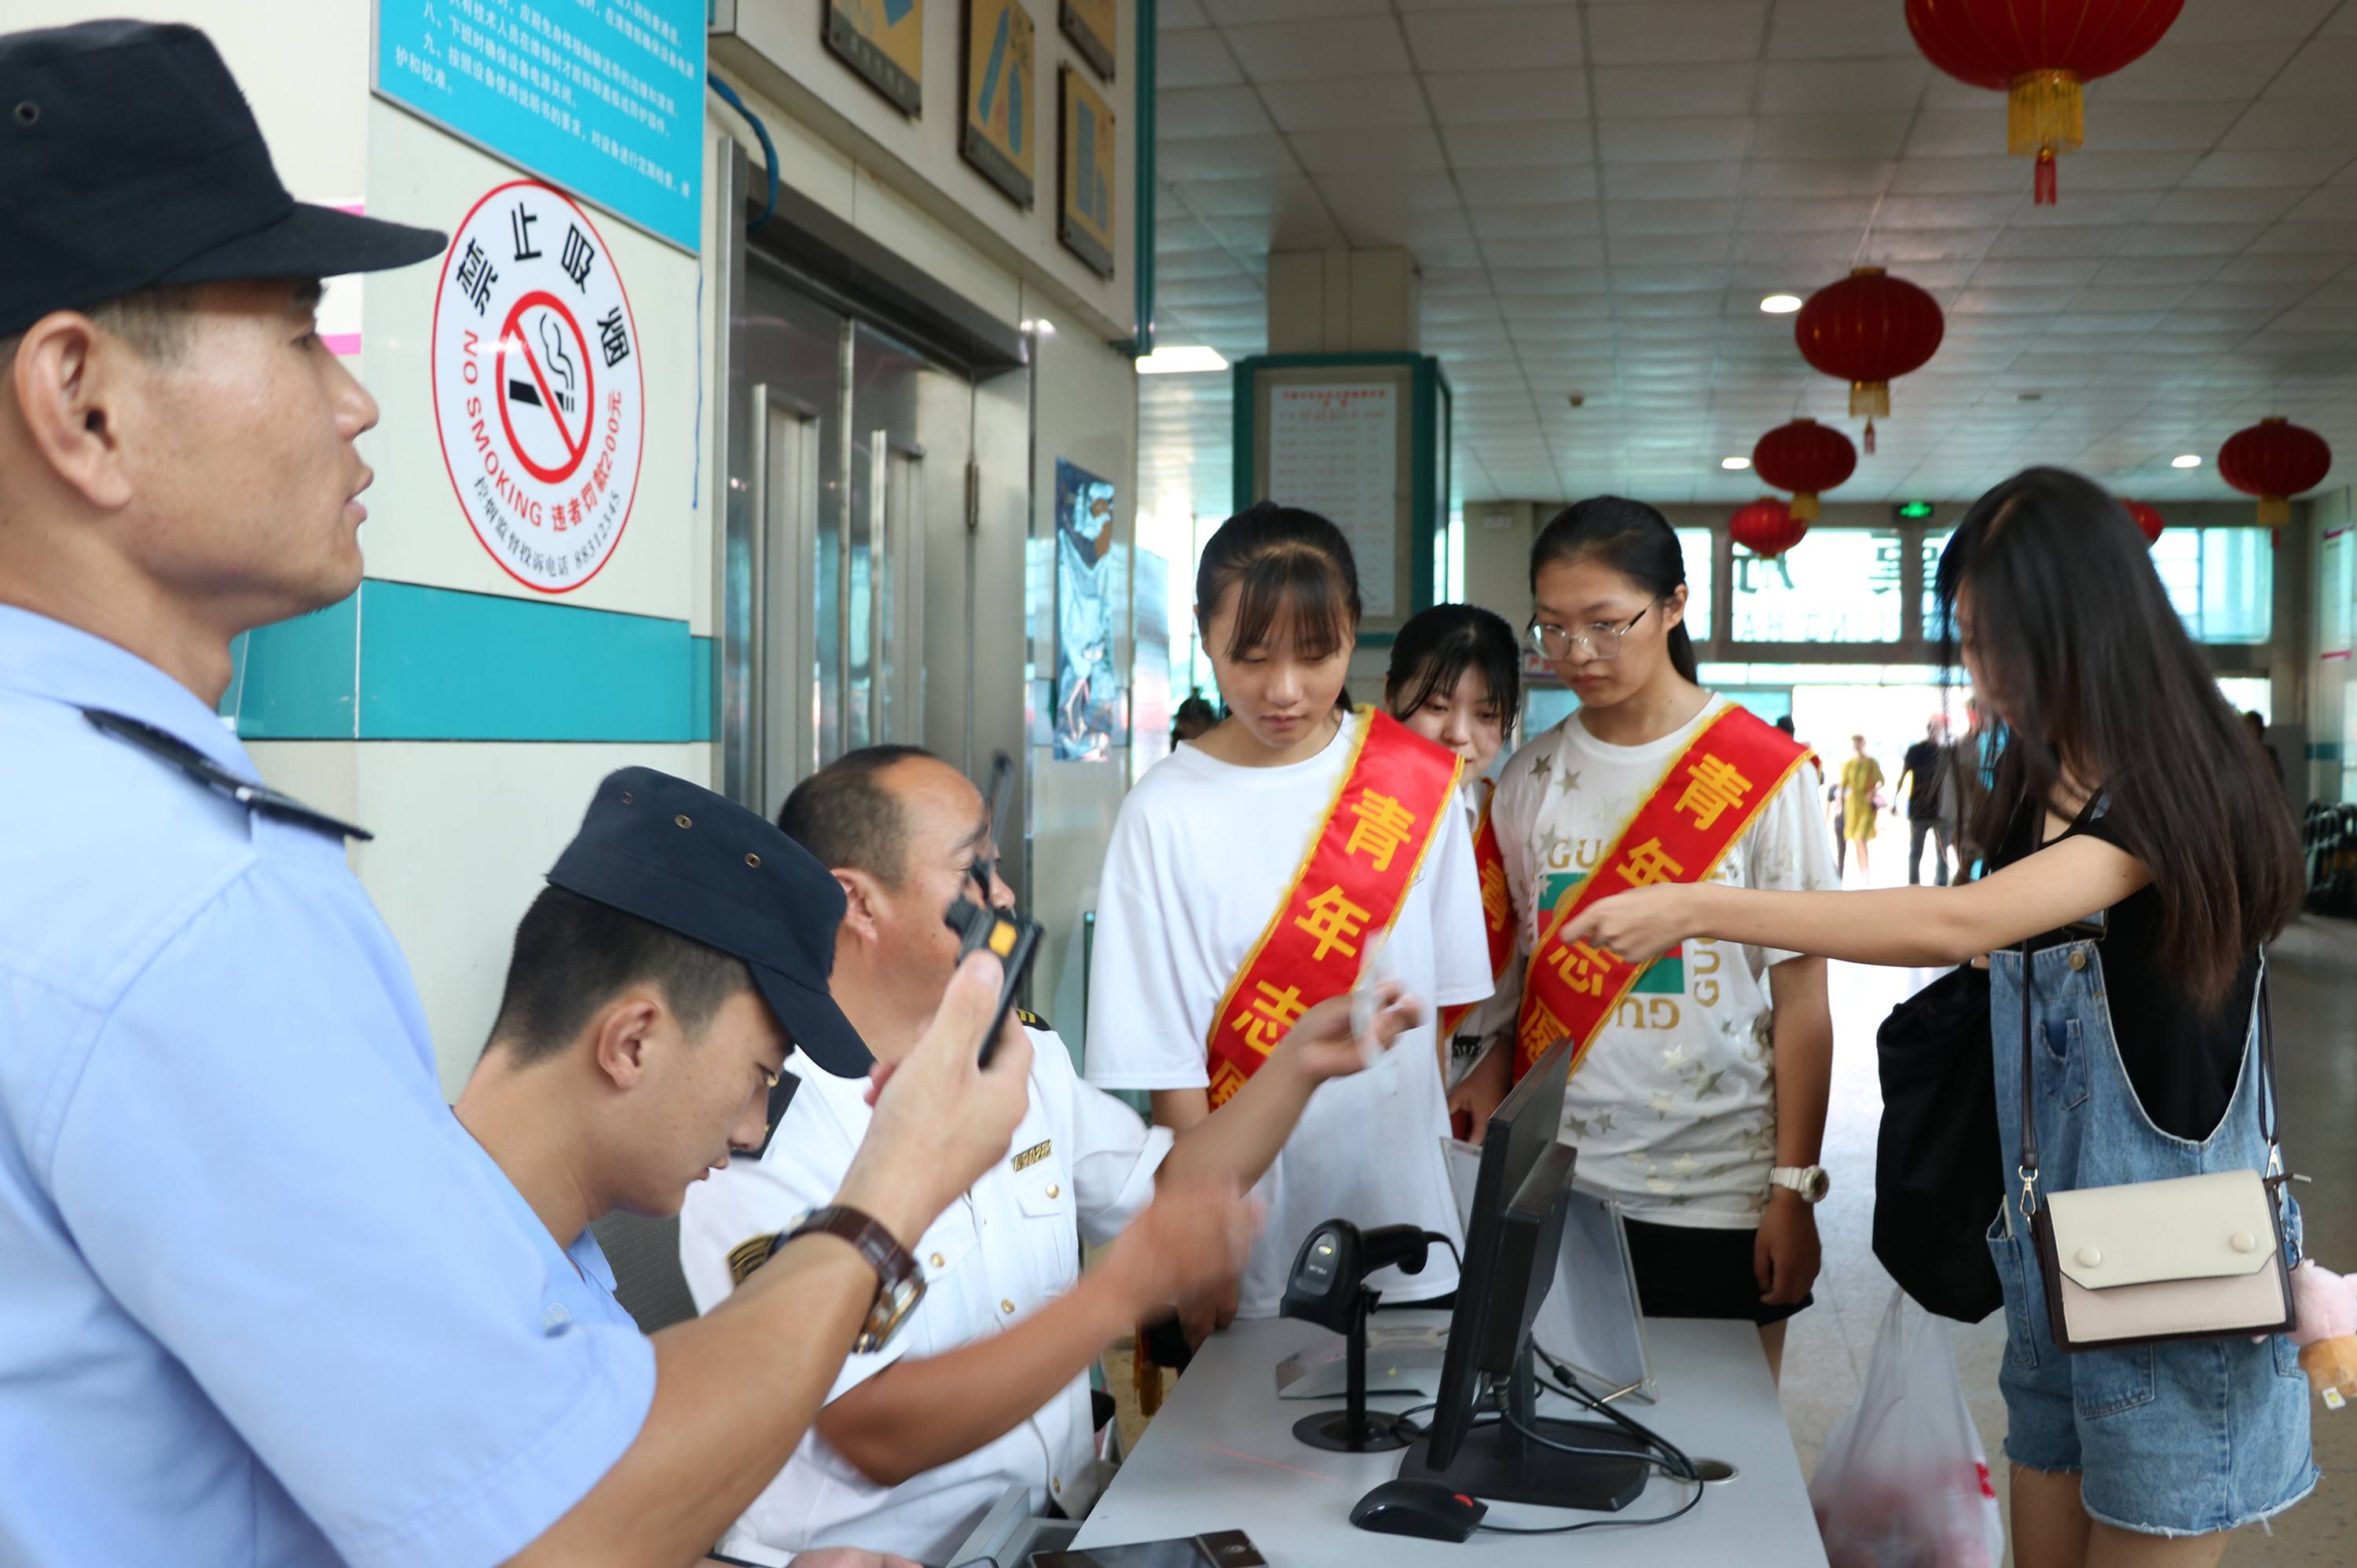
(1002, 774)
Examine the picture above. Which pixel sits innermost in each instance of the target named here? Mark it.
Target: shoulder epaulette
(1031, 1020)
(253, 795)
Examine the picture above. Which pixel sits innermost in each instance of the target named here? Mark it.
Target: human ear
(68, 379)
(621, 1033)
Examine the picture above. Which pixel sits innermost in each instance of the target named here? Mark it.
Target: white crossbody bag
(2199, 1257)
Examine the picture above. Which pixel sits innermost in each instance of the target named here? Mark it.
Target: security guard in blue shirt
(265, 1302)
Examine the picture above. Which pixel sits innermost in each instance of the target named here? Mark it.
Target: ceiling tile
(1194, 59)
(1369, 150)
(1526, 186)
(2189, 239)
(1983, 175)
(1492, 96)
(1670, 217)
(1644, 91)
(2308, 238)
(2268, 124)
(2273, 267)
(1838, 29)
(1316, 51)
(2191, 72)
(1819, 177)
(1822, 215)
(1494, 39)
(1184, 113)
(2188, 204)
(1226, 157)
(1243, 197)
(1675, 34)
(1348, 104)
(1670, 182)
(1535, 144)
(1241, 13)
(1573, 219)
(2246, 170)
(1176, 16)
(1673, 140)
(2320, 73)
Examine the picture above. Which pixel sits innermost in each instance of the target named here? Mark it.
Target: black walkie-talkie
(1014, 937)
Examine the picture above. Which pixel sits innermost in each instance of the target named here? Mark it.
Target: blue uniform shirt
(580, 1281)
(261, 1299)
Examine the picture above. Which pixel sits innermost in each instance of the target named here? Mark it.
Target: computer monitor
(1519, 1205)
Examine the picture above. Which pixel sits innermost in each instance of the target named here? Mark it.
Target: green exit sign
(1911, 510)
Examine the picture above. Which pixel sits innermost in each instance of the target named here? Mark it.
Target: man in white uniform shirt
(987, 1385)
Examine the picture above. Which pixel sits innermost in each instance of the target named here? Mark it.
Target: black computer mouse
(1426, 1509)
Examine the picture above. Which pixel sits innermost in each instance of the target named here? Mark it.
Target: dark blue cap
(677, 856)
(129, 159)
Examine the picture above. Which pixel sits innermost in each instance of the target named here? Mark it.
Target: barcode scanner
(1011, 936)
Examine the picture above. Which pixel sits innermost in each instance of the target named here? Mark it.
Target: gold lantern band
(2046, 113)
(1871, 399)
(1804, 506)
(2273, 511)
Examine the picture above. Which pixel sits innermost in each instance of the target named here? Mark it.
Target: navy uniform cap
(677, 856)
(129, 160)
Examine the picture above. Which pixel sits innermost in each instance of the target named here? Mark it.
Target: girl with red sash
(1456, 678)
(1699, 1100)
(1249, 875)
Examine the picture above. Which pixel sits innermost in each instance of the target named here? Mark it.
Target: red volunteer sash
(1355, 876)
(1680, 832)
(1497, 909)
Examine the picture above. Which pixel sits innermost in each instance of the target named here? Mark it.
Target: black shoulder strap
(247, 793)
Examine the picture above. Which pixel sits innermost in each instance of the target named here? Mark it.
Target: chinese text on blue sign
(602, 97)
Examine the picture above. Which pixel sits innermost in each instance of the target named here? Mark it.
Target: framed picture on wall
(1084, 221)
(997, 137)
(1089, 24)
(883, 41)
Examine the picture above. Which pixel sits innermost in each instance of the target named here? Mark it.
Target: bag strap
(2027, 1169)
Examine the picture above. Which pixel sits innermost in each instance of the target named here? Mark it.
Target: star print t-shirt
(1674, 1111)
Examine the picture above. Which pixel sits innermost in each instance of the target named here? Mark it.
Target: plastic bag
(1903, 1483)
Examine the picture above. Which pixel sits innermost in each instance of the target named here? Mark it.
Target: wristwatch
(899, 1283)
(1812, 1182)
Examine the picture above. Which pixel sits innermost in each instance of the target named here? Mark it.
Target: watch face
(893, 1306)
(1819, 1182)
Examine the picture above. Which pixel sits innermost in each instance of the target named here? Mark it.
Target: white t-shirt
(1202, 854)
(1081, 1165)
(1673, 1109)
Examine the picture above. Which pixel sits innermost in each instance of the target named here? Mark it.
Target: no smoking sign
(537, 390)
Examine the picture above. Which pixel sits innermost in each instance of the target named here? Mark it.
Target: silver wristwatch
(1812, 1182)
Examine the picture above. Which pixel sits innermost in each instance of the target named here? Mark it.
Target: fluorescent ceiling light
(1181, 360)
(1735, 464)
(2188, 460)
(1781, 304)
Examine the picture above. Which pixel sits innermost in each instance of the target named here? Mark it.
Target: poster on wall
(1088, 717)
(997, 137)
(1085, 220)
(883, 41)
(538, 397)
(1089, 24)
(606, 101)
(1150, 680)
(1335, 450)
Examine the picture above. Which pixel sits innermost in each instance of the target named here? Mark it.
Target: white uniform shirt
(1202, 854)
(1082, 1164)
(1673, 1109)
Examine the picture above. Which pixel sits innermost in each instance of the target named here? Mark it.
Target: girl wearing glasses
(1701, 1102)
(1220, 915)
(2127, 800)
(1456, 678)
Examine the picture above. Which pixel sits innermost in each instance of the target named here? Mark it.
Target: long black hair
(1634, 540)
(2079, 648)
(1288, 565)
(1436, 647)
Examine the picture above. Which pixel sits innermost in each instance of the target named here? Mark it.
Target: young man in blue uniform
(263, 1301)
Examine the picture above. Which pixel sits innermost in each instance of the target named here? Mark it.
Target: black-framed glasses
(1600, 641)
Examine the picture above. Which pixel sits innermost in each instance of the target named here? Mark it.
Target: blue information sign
(602, 97)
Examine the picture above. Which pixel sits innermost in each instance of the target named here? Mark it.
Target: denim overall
(2184, 1438)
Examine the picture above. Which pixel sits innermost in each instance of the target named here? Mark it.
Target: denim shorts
(2185, 1438)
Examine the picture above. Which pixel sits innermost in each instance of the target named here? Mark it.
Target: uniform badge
(749, 1255)
(1034, 1154)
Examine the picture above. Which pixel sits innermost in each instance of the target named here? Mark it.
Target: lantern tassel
(1804, 506)
(2042, 191)
(1871, 399)
(1869, 438)
(2273, 511)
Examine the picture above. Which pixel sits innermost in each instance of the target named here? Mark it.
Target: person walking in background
(1928, 776)
(1195, 718)
(2257, 724)
(1861, 799)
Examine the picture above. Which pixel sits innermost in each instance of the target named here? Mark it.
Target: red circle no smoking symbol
(538, 395)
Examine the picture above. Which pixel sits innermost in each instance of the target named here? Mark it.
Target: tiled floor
(2315, 984)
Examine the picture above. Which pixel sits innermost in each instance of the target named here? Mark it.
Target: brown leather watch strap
(892, 1262)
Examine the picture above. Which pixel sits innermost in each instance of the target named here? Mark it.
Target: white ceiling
(1599, 192)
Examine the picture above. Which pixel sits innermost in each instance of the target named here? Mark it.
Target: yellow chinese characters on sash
(1497, 909)
(1680, 832)
(1394, 795)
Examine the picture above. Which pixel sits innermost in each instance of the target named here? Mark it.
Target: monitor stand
(1499, 1464)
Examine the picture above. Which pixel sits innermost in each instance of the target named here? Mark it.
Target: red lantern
(2274, 460)
(1867, 329)
(2146, 518)
(1804, 458)
(2039, 54)
(1765, 527)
